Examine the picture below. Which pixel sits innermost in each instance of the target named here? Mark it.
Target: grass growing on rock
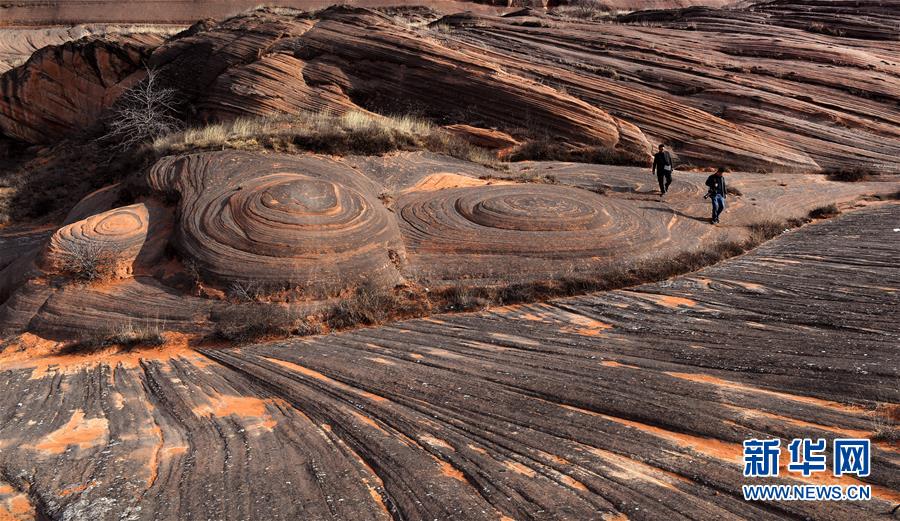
(370, 305)
(824, 212)
(127, 335)
(354, 132)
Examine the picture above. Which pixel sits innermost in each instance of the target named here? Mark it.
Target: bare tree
(143, 113)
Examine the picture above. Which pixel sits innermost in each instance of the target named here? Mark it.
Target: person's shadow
(676, 212)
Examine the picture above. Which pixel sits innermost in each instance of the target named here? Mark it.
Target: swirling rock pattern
(64, 89)
(342, 58)
(624, 403)
(519, 228)
(775, 86)
(280, 220)
(122, 236)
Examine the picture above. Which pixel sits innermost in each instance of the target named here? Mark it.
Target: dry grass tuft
(87, 261)
(354, 132)
(824, 212)
(252, 321)
(370, 305)
(127, 335)
(854, 175)
(886, 423)
(586, 10)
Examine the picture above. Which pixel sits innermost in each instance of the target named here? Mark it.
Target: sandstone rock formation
(121, 237)
(342, 58)
(282, 222)
(17, 44)
(528, 229)
(606, 405)
(62, 91)
(772, 87)
(741, 87)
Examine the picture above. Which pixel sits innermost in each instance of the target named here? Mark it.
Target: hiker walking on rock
(716, 194)
(662, 167)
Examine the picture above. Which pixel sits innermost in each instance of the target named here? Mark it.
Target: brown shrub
(824, 212)
(371, 305)
(87, 261)
(853, 175)
(248, 322)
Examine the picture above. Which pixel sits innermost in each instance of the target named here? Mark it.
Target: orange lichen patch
(703, 378)
(571, 482)
(748, 285)
(382, 361)
(368, 421)
(17, 508)
(246, 407)
(477, 449)
(243, 406)
(451, 472)
(442, 352)
(507, 518)
(519, 468)
(42, 356)
(613, 363)
(442, 180)
(673, 302)
(168, 452)
(376, 496)
(628, 468)
(731, 452)
(77, 431)
(416, 356)
(556, 459)
(76, 489)
(321, 377)
(851, 433)
(583, 325)
(614, 517)
(436, 442)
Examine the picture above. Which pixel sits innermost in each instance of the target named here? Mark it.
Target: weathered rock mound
(601, 406)
(281, 221)
(120, 237)
(63, 90)
(343, 58)
(517, 220)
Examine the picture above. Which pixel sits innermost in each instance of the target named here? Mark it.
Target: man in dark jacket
(717, 193)
(662, 167)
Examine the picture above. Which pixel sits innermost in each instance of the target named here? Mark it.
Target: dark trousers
(665, 179)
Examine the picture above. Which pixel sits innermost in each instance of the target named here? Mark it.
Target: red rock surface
(281, 221)
(314, 226)
(739, 87)
(17, 44)
(62, 91)
(748, 87)
(266, 63)
(627, 403)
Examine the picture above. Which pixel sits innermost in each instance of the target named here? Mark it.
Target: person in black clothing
(662, 167)
(717, 193)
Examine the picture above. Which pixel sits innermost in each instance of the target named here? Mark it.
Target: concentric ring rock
(120, 237)
(520, 219)
(280, 220)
